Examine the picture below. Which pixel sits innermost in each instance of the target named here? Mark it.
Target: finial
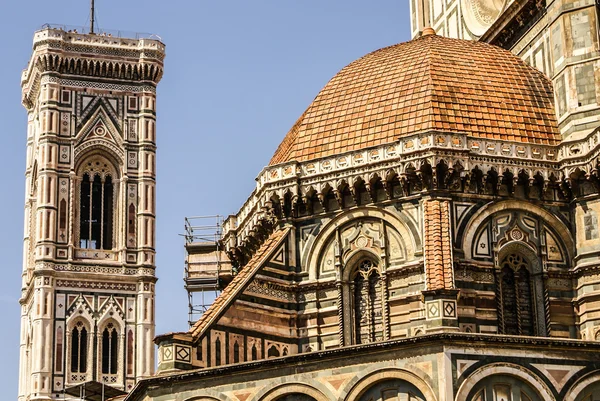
(428, 31)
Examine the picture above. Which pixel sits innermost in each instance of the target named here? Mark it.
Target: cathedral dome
(429, 83)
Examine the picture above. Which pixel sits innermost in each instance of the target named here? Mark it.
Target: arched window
(236, 353)
(254, 352)
(217, 351)
(273, 352)
(96, 206)
(368, 318)
(79, 348)
(516, 303)
(110, 349)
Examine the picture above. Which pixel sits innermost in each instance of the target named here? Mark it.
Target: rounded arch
(407, 231)
(492, 208)
(100, 151)
(579, 388)
(97, 163)
(274, 393)
(359, 386)
(507, 369)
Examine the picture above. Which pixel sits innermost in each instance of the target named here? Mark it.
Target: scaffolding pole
(202, 265)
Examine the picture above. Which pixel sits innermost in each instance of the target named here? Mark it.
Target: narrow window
(96, 212)
(79, 348)
(254, 352)
(131, 220)
(516, 297)
(85, 201)
(509, 301)
(107, 216)
(367, 304)
(96, 206)
(236, 353)
(217, 352)
(62, 215)
(59, 350)
(109, 350)
(130, 352)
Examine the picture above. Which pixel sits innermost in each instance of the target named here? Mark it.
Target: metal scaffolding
(205, 263)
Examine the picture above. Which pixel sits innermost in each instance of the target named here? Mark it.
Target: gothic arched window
(254, 352)
(79, 348)
(110, 350)
(515, 305)
(368, 319)
(236, 353)
(96, 200)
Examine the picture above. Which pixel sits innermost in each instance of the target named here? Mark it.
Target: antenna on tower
(92, 9)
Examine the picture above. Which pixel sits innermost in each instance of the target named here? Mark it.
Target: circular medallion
(479, 15)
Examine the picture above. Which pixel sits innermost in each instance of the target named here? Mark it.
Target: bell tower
(87, 303)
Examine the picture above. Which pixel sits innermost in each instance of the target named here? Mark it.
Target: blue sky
(237, 76)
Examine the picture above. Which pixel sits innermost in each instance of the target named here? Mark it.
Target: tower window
(96, 212)
(79, 348)
(368, 319)
(109, 349)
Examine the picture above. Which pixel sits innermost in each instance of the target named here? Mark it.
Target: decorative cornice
(403, 160)
(76, 56)
(424, 343)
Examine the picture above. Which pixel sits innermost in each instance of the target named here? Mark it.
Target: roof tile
(428, 83)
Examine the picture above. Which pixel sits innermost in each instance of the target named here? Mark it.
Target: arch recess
(363, 384)
(99, 152)
(292, 388)
(581, 385)
(504, 369)
(494, 207)
(404, 228)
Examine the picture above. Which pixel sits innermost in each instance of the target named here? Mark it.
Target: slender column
(340, 306)
(385, 306)
(90, 214)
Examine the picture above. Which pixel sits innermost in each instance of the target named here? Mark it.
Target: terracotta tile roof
(429, 83)
(438, 245)
(238, 283)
